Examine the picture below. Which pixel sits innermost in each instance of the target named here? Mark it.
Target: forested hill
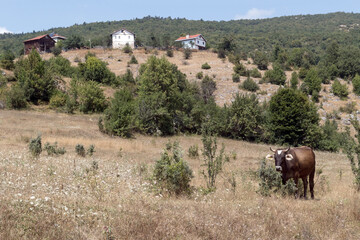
(308, 31)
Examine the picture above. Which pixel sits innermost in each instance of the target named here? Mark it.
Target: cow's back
(306, 159)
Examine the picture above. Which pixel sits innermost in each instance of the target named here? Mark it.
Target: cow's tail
(311, 182)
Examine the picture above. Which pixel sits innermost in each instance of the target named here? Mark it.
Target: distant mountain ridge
(309, 31)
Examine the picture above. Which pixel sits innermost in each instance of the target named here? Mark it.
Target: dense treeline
(312, 32)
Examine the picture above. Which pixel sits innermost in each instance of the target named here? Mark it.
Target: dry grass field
(62, 197)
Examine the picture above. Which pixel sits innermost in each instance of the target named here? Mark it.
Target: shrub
(35, 146)
(7, 60)
(127, 49)
(171, 172)
(221, 53)
(208, 87)
(91, 97)
(58, 100)
(349, 108)
(193, 151)
(54, 149)
(240, 69)
(205, 66)
(133, 60)
(303, 72)
(275, 76)
(15, 98)
(313, 81)
(199, 75)
(56, 51)
(356, 84)
(61, 65)
(271, 181)
(261, 60)
(91, 150)
(353, 148)
(212, 161)
(246, 120)
(255, 73)
(170, 53)
(294, 81)
(187, 53)
(96, 70)
(80, 150)
(250, 85)
(339, 89)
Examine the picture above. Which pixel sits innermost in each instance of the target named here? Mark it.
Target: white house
(192, 41)
(122, 37)
(56, 37)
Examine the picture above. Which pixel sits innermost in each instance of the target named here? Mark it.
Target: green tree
(35, 78)
(7, 60)
(339, 89)
(74, 42)
(91, 97)
(246, 121)
(261, 60)
(293, 119)
(250, 85)
(208, 87)
(332, 53)
(119, 117)
(356, 84)
(313, 81)
(294, 81)
(96, 70)
(275, 76)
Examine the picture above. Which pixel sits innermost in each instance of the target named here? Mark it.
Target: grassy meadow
(66, 197)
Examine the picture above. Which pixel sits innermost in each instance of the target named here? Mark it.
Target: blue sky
(25, 16)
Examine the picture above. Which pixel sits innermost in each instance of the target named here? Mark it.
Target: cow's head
(280, 156)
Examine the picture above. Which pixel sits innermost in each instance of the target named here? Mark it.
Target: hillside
(309, 31)
(222, 71)
(54, 197)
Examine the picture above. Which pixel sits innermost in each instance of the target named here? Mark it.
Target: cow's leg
(296, 180)
(311, 181)
(305, 183)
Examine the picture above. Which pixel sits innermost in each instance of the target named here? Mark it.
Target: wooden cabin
(42, 44)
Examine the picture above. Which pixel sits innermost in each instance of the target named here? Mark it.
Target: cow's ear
(289, 157)
(270, 156)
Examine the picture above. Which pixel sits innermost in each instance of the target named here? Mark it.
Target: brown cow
(296, 163)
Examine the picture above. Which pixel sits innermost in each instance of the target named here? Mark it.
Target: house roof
(123, 29)
(38, 38)
(58, 36)
(189, 37)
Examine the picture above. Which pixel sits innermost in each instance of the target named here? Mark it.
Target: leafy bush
(127, 49)
(313, 81)
(35, 146)
(356, 84)
(74, 42)
(250, 85)
(96, 70)
(353, 148)
(170, 53)
(133, 60)
(56, 51)
(91, 150)
(339, 89)
(261, 60)
(275, 76)
(255, 73)
(236, 77)
(208, 87)
(91, 97)
(119, 118)
(171, 173)
(187, 53)
(35, 78)
(199, 75)
(58, 100)
(245, 118)
(61, 65)
(212, 161)
(193, 151)
(294, 81)
(240, 69)
(80, 150)
(15, 98)
(205, 66)
(271, 181)
(7, 60)
(54, 149)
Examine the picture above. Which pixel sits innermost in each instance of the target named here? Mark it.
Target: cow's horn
(272, 149)
(287, 149)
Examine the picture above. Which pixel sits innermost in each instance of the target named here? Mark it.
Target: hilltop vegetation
(312, 32)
